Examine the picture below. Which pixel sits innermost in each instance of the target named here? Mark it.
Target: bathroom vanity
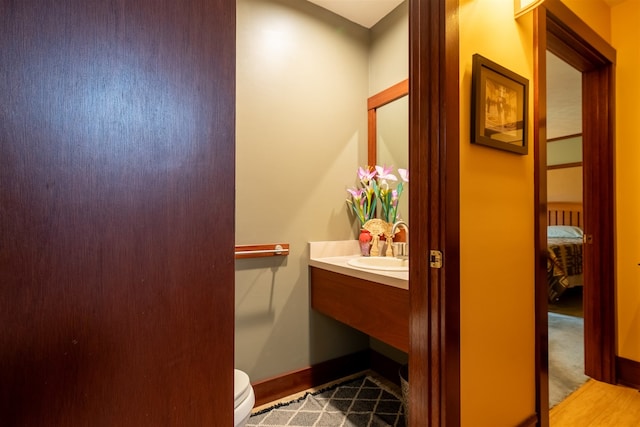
(372, 300)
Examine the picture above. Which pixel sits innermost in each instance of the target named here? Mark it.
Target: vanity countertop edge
(334, 256)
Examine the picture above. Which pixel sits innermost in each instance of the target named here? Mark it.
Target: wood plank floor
(597, 404)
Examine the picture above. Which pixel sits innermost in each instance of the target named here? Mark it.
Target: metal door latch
(435, 259)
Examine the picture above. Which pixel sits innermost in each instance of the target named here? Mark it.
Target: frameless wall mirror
(388, 139)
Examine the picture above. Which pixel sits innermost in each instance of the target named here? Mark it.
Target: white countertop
(334, 256)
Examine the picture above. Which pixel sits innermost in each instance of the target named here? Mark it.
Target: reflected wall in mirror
(374, 103)
(388, 139)
(392, 146)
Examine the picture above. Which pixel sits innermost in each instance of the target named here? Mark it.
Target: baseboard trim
(531, 421)
(295, 381)
(280, 386)
(628, 372)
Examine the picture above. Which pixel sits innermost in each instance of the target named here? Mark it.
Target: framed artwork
(498, 106)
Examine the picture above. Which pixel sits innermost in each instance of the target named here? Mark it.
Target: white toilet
(243, 398)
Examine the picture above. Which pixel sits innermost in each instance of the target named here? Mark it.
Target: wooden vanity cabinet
(378, 310)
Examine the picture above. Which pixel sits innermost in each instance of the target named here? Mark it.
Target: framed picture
(498, 107)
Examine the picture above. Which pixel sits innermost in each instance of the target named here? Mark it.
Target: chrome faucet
(401, 249)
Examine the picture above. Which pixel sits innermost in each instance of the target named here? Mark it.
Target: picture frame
(499, 103)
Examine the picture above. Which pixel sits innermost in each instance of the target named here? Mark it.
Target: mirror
(374, 103)
(392, 146)
(388, 139)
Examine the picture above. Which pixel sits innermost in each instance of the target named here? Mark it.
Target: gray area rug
(363, 402)
(566, 356)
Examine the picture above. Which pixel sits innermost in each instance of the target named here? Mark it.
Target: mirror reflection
(389, 133)
(392, 142)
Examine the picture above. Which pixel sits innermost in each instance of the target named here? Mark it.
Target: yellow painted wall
(595, 13)
(496, 243)
(625, 19)
(496, 197)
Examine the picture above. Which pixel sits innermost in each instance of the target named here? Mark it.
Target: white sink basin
(380, 263)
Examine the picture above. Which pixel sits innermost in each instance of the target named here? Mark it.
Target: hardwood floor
(598, 404)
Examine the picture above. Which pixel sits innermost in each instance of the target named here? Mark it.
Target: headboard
(565, 213)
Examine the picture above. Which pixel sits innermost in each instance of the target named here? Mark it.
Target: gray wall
(389, 52)
(302, 86)
(388, 65)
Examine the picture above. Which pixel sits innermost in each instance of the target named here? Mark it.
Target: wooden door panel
(116, 212)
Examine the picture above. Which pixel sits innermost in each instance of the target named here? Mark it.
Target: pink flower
(366, 175)
(384, 173)
(356, 193)
(404, 174)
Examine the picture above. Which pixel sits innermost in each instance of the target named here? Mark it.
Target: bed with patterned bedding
(564, 247)
(564, 265)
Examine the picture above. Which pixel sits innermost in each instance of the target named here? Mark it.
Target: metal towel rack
(258, 251)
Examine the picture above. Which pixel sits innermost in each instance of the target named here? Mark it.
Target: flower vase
(365, 242)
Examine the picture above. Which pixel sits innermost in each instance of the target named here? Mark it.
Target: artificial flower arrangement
(375, 189)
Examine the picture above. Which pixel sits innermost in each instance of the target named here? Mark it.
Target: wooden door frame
(559, 30)
(434, 348)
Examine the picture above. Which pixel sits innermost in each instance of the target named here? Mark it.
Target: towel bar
(257, 251)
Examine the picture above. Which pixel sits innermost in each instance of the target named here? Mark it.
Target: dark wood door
(434, 213)
(116, 212)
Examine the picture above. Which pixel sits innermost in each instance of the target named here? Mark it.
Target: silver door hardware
(435, 259)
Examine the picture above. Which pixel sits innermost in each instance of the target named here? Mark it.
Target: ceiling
(366, 13)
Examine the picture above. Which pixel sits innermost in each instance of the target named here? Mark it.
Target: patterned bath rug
(361, 402)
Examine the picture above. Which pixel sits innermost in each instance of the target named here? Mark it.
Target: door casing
(559, 30)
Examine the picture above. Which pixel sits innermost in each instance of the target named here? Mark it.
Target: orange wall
(496, 244)
(497, 331)
(497, 328)
(625, 26)
(595, 13)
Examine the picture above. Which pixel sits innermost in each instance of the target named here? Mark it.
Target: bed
(564, 247)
